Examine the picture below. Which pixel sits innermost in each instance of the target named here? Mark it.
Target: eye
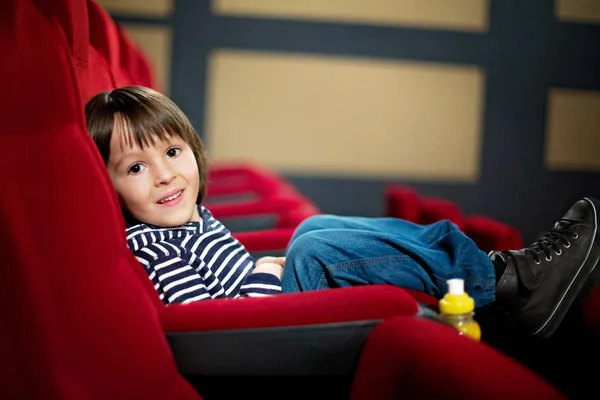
(173, 152)
(136, 169)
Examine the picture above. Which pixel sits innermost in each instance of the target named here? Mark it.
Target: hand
(269, 265)
(270, 260)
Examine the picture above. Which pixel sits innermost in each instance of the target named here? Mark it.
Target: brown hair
(147, 116)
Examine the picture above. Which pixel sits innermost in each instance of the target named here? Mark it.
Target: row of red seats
(260, 207)
(79, 317)
(406, 202)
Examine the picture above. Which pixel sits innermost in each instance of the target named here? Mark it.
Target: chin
(168, 218)
(176, 220)
(172, 223)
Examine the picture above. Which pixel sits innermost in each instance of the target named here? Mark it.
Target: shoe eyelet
(538, 261)
(549, 259)
(575, 236)
(567, 245)
(558, 253)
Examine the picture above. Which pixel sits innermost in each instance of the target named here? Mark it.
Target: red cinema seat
(125, 62)
(80, 318)
(490, 234)
(434, 209)
(248, 198)
(402, 202)
(241, 184)
(412, 358)
(273, 241)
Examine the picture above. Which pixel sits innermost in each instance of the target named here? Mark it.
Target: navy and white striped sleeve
(253, 285)
(173, 278)
(260, 284)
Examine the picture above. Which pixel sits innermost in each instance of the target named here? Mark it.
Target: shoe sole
(581, 285)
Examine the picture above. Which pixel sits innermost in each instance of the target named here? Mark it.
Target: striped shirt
(198, 261)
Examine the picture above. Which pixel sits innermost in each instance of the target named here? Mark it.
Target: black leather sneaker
(541, 281)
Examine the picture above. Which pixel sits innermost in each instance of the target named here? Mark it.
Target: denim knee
(304, 246)
(314, 223)
(304, 268)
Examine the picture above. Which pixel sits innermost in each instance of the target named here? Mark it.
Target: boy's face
(157, 185)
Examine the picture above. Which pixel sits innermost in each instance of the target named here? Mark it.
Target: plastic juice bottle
(457, 309)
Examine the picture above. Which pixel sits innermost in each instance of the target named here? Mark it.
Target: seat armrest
(331, 349)
(297, 334)
(358, 303)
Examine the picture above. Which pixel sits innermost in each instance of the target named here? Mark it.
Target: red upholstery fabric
(413, 358)
(265, 240)
(74, 322)
(222, 170)
(402, 202)
(423, 298)
(271, 205)
(342, 305)
(235, 178)
(258, 187)
(434, 209)
(590, 309)
(237, 187)
(279, 237)
(490, 234)
(272, 194)
(126, 64)
(102, 56)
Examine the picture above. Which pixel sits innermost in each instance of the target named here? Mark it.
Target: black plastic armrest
(308, 350)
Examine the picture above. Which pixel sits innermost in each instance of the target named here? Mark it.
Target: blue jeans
(330, 251)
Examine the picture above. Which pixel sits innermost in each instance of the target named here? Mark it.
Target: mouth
(172, 198)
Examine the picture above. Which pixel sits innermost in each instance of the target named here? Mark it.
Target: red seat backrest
(491, 234)
(434, 209)
(76, 322)
(124, 60)
(402, 202)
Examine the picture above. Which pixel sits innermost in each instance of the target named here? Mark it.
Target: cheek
(134, 194)
(191, 169)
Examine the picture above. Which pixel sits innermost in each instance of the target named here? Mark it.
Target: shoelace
(559, 234)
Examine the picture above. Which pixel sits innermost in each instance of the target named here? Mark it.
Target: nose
(164, 173)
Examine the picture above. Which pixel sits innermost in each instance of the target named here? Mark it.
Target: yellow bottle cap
(456, 301)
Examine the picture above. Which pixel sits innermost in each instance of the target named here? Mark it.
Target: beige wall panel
(155, 43)
(468, 15)
(345, 117)
(578, 10)
(154, 8)
(573, 130)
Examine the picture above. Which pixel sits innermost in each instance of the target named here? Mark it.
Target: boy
(157, 164)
